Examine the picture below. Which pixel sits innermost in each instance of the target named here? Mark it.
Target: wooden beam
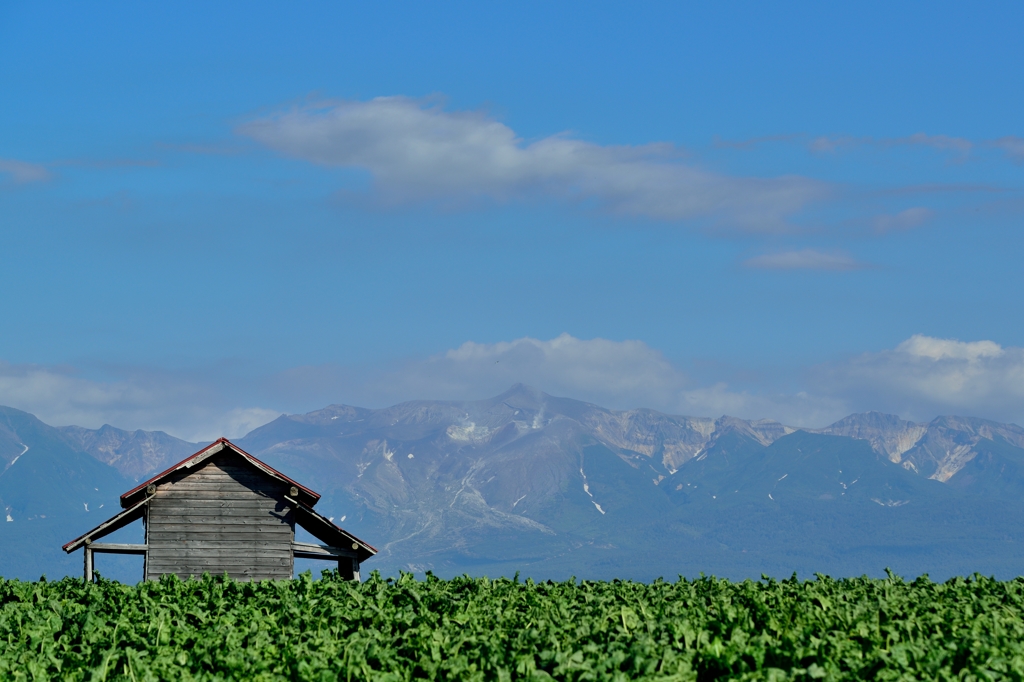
(109, 526)
(322, 528)
(117, 548)
(256, 542)
(219, 540)
(167, 502)
(88, 564)
(197, 518)
(208, 494)
(161, 553)
(158, 563)
(306, 550)
(191, 530)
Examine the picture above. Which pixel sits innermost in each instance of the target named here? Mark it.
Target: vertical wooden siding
(223, 516)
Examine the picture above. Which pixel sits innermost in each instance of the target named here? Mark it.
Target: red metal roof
(125, 498)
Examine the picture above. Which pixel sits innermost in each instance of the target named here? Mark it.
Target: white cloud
(918, 379)
(904, 220)
(613, 374)
(155, 401)
(23, 172)
(803, 259)
(920, 346)
(619, 373)
(238, 421)
(925, 376)
(418, 151)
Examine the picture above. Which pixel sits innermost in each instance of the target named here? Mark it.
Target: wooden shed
(224, 511)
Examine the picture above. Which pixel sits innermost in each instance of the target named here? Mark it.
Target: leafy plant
(480, 629)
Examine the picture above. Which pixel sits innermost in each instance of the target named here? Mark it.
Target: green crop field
(480, 629)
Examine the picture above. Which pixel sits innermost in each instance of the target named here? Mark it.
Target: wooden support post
(88, 563)
(348, 568)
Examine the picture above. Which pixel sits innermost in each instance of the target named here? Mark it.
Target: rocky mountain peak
(134, 454)
(523, 397)
(888, 434)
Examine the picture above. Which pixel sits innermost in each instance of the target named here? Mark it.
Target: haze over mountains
(553, 487)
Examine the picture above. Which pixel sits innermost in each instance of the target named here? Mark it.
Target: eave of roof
(310, 498)
(116, 522)
(323, 528)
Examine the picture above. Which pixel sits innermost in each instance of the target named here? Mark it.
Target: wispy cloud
(106, 164)
(943, 188)
(799, 408)
(824, 144)
(946, 143)
(22, 172)
(904, 220)
(754, 142)
(804, 259)
(416, 150)
(206, 149)
(830, 144)
(1012, 145)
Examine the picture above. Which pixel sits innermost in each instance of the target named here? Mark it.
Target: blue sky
(216, 213)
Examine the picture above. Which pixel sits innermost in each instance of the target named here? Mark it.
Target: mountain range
(553, 487)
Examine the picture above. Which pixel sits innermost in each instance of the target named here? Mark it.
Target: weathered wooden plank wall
(220, 517)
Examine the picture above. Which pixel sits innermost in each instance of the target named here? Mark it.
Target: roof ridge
(312, 496)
